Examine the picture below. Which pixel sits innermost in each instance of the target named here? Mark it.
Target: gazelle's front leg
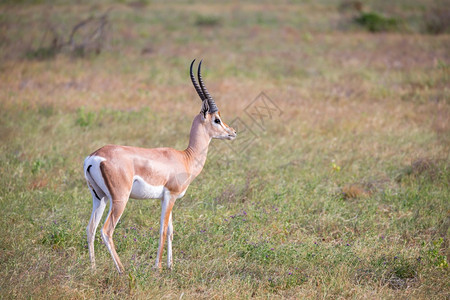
(167, 204)
(169, 242)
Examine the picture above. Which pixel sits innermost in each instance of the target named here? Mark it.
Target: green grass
(343, 195)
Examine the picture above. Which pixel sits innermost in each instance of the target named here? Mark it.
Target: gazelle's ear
(205, 108)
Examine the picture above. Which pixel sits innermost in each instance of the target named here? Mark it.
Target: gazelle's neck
(197, 150)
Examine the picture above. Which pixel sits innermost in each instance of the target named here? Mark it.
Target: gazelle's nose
(232, 134)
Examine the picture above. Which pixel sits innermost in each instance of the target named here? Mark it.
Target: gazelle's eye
(217, 121)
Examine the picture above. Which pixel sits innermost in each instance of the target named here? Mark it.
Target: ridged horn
(212, 105)
(194, 82)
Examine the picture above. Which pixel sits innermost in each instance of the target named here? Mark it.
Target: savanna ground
(339, 190)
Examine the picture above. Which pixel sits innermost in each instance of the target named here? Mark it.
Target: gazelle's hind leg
(117, 206)
(98, 207)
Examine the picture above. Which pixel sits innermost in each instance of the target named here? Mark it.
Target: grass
(341, 193)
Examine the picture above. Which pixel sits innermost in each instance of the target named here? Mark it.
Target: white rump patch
(95, 173)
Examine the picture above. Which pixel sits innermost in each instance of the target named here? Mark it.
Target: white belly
(143, 190)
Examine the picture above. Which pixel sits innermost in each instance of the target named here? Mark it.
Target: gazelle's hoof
(93, 266)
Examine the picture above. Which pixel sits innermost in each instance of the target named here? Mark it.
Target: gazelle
(117, 173)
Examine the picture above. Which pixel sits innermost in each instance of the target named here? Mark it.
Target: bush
(437, 20)
(207, 21)
(377, 23)
(42, 53)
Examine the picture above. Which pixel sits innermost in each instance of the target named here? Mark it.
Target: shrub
(207, 21)
(42, 53)
(437, 20)
(377, 23)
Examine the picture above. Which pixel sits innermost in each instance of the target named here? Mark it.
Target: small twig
(93, 37)
(76, 27)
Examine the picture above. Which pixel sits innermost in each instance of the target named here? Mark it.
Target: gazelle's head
(210, 114)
